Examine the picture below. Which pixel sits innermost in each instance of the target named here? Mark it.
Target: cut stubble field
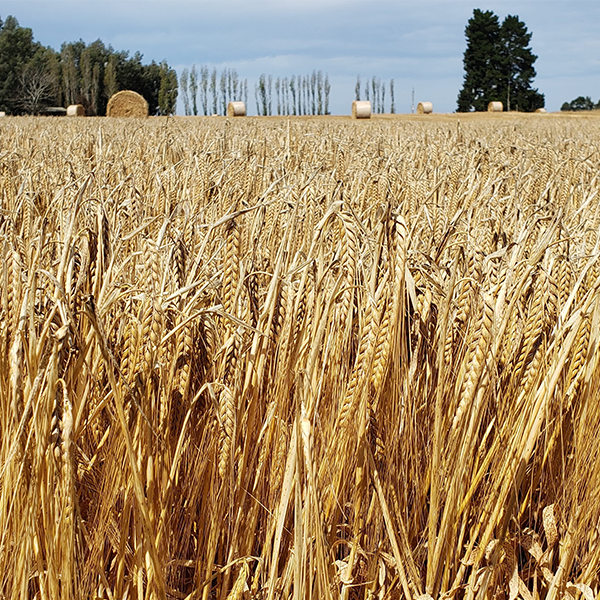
(282, 358)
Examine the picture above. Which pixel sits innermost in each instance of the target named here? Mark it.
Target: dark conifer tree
(498, 64)
(481, 61)
(517, 67)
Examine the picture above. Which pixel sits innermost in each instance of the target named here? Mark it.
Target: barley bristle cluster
(300, 358)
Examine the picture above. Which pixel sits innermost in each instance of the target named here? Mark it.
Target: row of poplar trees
(208, 92)
(498, 65)
(295, 95)
(34, 77)
(374, 91)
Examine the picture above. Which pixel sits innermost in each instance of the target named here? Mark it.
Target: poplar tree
(374, 89)
(183, 84)
(481, 61)
(204, 89)
(213, 90)
(262, 96)
(293, 91)
(194, 89)
(223, 88)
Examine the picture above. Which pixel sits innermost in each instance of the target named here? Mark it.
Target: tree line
(34, 77)
(580, 103)
(498, 63)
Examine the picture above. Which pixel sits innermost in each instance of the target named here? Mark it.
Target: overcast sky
(419, 44)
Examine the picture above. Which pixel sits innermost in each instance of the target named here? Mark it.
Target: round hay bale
(127, 104)
(541, 110)
(2, 113)
(75, 110)
(361, 109)
(236, 109)
(424, 108)
(495, 107)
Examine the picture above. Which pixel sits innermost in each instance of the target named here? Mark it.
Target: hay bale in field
(236, 109)
(424, 108)
(541, 110)
(75, 110)
(495, 107)
(127, 104)
(2, 113)
(361, 109)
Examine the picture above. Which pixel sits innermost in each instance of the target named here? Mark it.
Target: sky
(419, 44)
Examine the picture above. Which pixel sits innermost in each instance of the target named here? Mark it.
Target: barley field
(305, 358)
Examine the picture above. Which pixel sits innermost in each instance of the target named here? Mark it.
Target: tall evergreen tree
(481, 61)
(17, 49)
(517, 67)
(498, 64)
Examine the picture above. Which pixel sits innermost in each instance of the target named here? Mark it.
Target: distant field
(300, 357)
